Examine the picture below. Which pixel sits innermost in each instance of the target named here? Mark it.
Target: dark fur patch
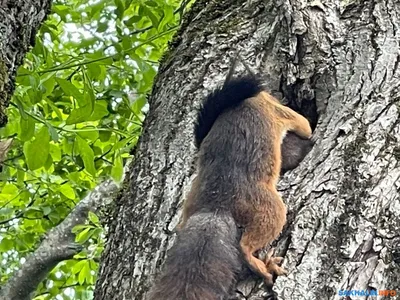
(231, 94)
(294, 149)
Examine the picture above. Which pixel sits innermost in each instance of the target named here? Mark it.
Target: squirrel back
(230, 95)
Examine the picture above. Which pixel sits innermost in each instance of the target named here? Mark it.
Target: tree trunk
(19, 22)
(339, 58)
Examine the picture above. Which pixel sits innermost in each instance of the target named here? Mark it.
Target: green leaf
(126, 43)
(83, 113)
(46, 210)
(104, 136)
(168, 16)
(53, 132)
(94, 70)
(20, 177)
(55, 152)
(91, 135)
(117, 169)
(90, 98)
(93, 218)
(49, 163)
(6, 244)
(87, 155)
(34, 81)
(132, 20)
(79, 115)
(144, 10)
(120, 8)
(152, 3)
(79, 228)
(37, 151)
(54, 291)
(84, 273)
(102, 27)
(33, 212)
(69, 89)
(48, 85)
(21, 109)
(55, 109)
(96, 8)
(8, 192)
(67, 191)
(62, 11)
(23, 71)
(28, 238)
(99, 112)
(77, 267)
(138, 105)
(54, 217)
(84, 235)
(27, 128)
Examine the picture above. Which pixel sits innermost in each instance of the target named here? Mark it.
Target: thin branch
(40, 120)
(108, 56)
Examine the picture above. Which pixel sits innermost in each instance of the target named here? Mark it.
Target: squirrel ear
(235, 58)
(232, 68)
(247, 67)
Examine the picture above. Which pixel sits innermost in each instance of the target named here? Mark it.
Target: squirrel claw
(272, 264)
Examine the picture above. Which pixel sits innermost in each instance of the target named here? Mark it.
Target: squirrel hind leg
(273, 263)
(265, 268)
(255, 264)
(256, 236)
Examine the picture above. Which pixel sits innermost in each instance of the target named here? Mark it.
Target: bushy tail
(203, 262)
(233, 92)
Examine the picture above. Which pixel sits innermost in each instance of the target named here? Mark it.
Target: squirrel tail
(203, 262)
(232, 93)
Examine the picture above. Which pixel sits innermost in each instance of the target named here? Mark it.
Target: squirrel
(233, 208)
(294, 149)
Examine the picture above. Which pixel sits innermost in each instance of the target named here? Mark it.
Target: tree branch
(57, 245)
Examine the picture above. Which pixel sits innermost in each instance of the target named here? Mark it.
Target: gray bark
(19, 22)
(58, 245)
(343, 200)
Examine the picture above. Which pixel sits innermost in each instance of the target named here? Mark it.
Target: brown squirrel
(233, 209)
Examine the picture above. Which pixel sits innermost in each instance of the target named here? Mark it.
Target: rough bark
(19, 22)
(58, 245)
(340, 58)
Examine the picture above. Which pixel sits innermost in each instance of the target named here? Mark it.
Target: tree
(20, 21)
(337, 62)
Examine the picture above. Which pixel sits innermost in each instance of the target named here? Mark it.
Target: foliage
(77, 110)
